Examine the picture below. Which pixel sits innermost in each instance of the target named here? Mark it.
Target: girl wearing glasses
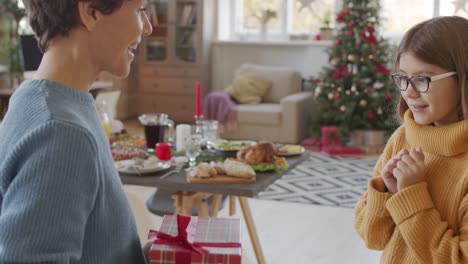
(416, 205)
(61, 198)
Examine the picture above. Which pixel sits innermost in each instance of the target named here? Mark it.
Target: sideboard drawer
(169, 72)
(175, 86)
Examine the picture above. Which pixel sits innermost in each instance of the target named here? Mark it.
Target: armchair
(281, 116)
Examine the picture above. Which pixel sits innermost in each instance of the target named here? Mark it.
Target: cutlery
(177, 169)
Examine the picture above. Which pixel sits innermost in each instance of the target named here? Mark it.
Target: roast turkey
(258, 153)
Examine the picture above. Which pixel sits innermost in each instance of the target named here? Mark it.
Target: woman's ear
(87, 15)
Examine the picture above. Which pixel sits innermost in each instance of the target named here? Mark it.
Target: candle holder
(198, 124)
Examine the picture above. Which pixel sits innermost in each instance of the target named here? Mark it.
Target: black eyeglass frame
(428, 80)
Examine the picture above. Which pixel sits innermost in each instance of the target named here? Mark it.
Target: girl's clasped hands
(404, 169)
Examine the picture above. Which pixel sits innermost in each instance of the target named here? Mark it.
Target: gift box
(190, 239)
(312, 144)
(342, 150)
(330, 135)
(331, 143)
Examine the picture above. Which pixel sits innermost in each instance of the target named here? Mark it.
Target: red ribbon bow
(181, 240)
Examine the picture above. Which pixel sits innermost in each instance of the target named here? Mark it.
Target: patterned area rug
(324, 180)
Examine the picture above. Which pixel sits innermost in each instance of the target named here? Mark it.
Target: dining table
(186, 195)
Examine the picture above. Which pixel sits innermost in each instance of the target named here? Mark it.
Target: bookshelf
(175, 57)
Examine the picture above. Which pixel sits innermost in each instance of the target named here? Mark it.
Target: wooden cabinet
(175, 57)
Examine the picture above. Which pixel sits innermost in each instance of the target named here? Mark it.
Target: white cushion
(267, 114)
(285, 80)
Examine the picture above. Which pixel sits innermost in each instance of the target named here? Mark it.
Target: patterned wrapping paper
(200, 230)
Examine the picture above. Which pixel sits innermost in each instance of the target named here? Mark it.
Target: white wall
(308, 57)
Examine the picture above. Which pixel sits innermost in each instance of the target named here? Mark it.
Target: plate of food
(262, 157)
(290, 150)
(126, 150)
(141, 166)
(232, 145)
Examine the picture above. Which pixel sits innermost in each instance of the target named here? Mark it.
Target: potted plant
(10, 17)
(326, 31)
(265, 17)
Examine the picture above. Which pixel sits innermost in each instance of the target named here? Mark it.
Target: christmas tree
(355, 91)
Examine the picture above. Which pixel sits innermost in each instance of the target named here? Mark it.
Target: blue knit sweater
(61, 199)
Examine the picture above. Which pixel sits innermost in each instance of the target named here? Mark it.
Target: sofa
(281, 116)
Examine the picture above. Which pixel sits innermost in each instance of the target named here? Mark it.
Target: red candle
(163, 151)
(198, 100)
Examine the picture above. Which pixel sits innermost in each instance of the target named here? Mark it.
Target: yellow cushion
(248, 89)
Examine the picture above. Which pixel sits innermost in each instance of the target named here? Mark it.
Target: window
(292, 16)
(307, 16)
(400, 15)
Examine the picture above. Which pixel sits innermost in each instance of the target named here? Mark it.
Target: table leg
(252, 230)
(183, 202)
(215, 204)
(187, 203)
(232, 205)
(177, 197)
(201, 204)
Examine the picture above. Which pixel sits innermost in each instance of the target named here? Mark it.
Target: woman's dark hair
(52, 18)
(440, 41)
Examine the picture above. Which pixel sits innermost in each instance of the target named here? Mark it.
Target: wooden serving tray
(220, 179)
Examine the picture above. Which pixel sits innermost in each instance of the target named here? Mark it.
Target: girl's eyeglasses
(419, 83)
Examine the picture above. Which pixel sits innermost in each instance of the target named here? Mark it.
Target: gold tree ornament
(343, 108)
(351, 57)
(378, 85)
(363, 102)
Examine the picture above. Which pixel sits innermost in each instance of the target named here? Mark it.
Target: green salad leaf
(232, 146)
(264, 166)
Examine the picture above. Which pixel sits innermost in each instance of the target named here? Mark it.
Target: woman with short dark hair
(61, 198)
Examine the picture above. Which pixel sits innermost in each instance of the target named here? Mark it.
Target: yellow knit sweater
(427, 222)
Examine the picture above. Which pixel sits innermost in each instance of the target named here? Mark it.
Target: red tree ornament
(388, 96)
(371, 115)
